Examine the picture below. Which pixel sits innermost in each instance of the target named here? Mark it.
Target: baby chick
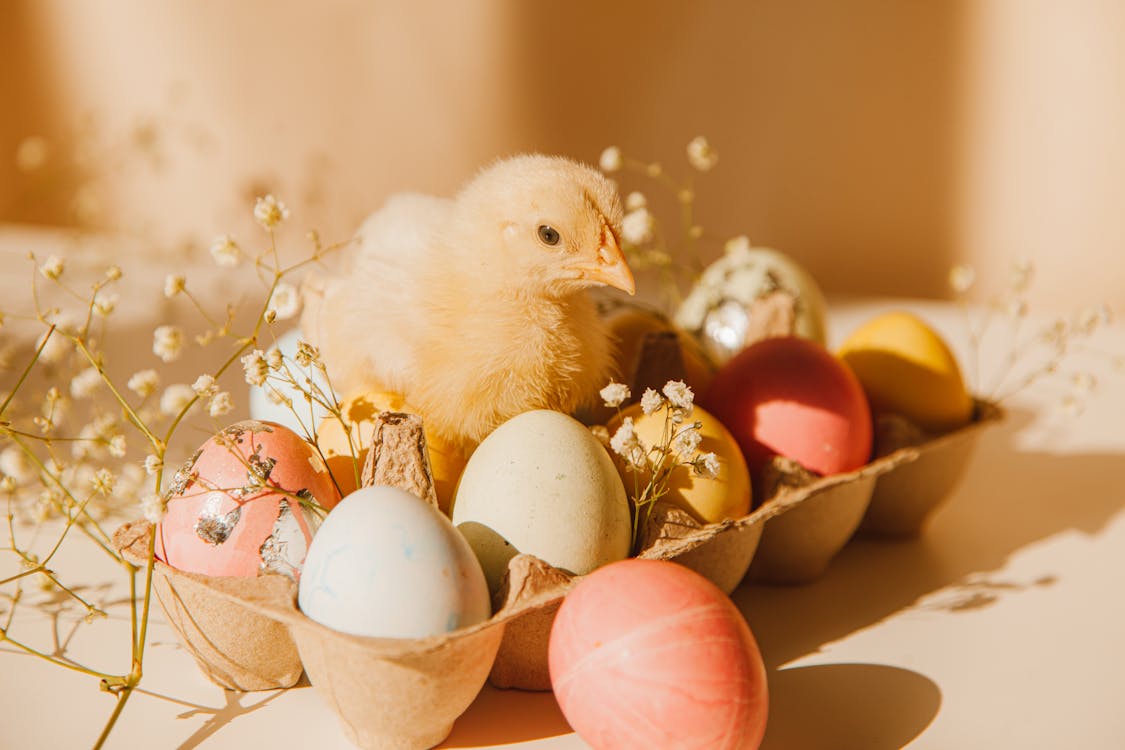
(476, 309)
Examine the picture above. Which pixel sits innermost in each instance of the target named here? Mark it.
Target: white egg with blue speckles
(387, 564)
(304, 416)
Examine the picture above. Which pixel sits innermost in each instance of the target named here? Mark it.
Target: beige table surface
(1002, 626)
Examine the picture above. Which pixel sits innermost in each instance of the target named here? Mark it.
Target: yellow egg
(907, 369)
(708, 500)
(446, 461)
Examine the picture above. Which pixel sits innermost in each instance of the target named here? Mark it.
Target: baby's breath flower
(221, 404)
(255, 367)
(701, 155)
(637, 226)
(687, 442)
(627, 444)
(707, 466)
(961, 278)
(53, 267)
(611, 159)
(635, 200)
(173, 285)
(284, 302)
(144, 383)
(737, 246)
(307, 354)
(654, 170)
(679, 394)
(269, 212)
(14, 464)
(113, 273)
(225, 251)
(85, 383)
(601, 434)
(8, 484)
(105, 303)
(153, 464)
(167, 343)
(651, 401)
(614, 394)
(205, 386)
(275, 359)
(175, 398)
(117, 446)
(57, 346)
(103, 481)
(153, 507)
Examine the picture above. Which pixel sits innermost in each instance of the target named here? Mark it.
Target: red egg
(790, 397)
(648, 654)
(238, 507)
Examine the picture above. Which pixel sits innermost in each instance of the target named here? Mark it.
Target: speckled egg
(790, 397)
(907, 369)
(447, 461)
(748, 294)
(304, 415)
(543, 485)
(241, 505)
(707, 500)
(387, 564)
(648, 654)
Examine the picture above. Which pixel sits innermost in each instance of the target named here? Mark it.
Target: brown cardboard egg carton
(248, 634)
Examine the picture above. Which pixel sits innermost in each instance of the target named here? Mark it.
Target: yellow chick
(476, 308)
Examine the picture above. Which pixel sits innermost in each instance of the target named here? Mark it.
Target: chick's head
(546, 223)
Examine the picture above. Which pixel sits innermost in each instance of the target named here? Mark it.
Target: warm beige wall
(877, 141)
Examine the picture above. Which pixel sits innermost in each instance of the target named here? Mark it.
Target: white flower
(167, 343)
(611, 159)
(117, 446)
(600, 433)
(144, 383)
(269, 212)
(307, 354)
(737, 246)
(113, 273)
(53, 267)
(701, 155)
(284, 302)
(85, 383)
(637, 226)
(255, 367)
(103, 481)
(651, 401)
(175, 398)
(153, 508)
(173, 285)
(614, 394)
(226, 251)
(221, 404)
(635, 200)
(679, 394)
(105, 303)
(153, 464)
(626, 444)
(961, 278)
(205, 386)
(707, 466)
(687, 442)
(57, 347)
(275, 358)
(14, 464)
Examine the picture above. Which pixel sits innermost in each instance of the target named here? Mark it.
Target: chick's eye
(548, 234)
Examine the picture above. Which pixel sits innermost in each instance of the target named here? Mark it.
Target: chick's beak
(608, 267)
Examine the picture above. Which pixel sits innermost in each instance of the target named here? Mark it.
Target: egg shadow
(1010, 498)
(505, 717)
(845, 706)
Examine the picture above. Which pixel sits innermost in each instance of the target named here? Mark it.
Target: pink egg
(238, 507)
(648, 654)
(790, 397)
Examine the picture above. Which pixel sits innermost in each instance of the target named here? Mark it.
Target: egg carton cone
(235, 646)
(928, 475)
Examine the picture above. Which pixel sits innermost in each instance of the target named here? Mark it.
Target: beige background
(877, 141)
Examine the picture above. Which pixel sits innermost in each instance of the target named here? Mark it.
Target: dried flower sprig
(653, 467)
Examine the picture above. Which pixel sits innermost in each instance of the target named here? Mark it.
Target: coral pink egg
(790, 397)
(649, 654)
(237, 508)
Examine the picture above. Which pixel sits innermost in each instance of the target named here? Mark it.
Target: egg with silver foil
(247, 503)
(749, 294)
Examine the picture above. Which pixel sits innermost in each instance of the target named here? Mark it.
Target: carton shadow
(503, 717)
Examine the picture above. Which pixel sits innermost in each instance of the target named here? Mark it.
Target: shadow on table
(1010, 499)
(844, 706)
(503, 717)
